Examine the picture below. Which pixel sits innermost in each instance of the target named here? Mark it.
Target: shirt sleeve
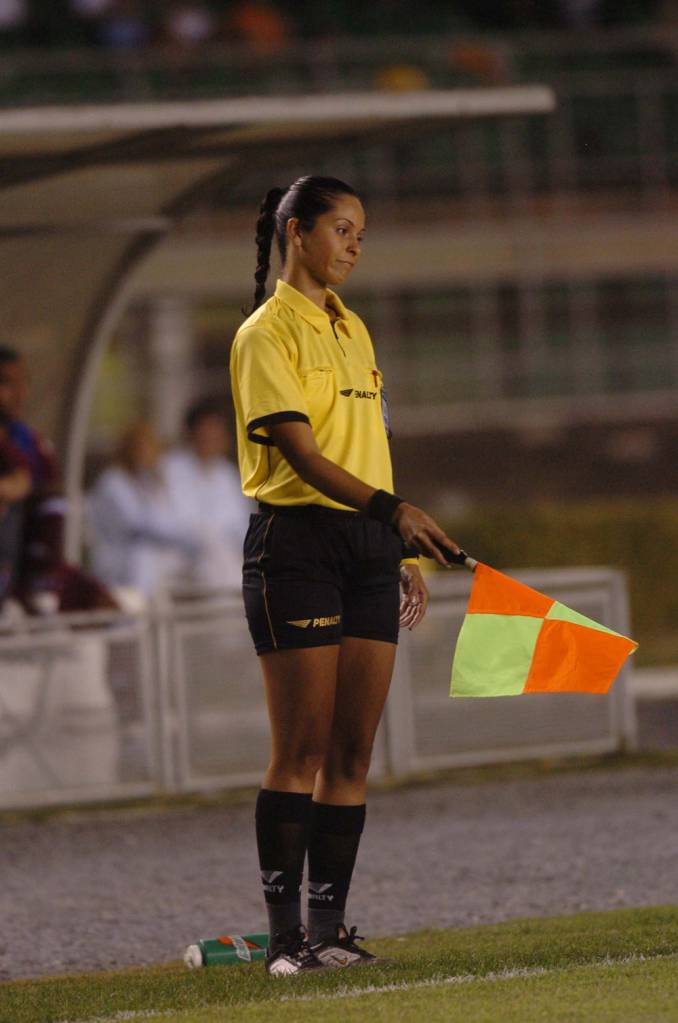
(268, 384)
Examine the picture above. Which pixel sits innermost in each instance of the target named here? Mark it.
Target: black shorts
(312, 575)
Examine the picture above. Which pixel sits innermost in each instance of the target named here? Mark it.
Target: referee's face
(332, 248)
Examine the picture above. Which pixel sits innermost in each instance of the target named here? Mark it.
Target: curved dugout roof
(87, 192)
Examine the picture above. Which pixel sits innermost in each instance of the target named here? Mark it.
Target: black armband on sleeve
(272, 420)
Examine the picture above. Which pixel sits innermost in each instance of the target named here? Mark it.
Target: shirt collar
(308, 310)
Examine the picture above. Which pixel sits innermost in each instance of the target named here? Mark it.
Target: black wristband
(382, 506)
(410, 551)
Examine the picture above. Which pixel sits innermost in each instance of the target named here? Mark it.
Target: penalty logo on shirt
(358, 394)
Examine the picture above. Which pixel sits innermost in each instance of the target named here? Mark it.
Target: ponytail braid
(264, 240)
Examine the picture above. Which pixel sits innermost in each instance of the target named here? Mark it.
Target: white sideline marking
(467, 978)
(376, 989)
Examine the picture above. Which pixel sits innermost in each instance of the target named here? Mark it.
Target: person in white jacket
(137, 538)
(206, 495)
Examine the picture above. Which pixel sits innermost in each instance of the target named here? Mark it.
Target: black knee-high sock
(332, 849)
(282, 838)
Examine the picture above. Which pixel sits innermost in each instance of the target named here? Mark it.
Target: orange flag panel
(572, 658)
(494, 593)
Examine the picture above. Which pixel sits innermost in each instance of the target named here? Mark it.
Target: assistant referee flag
(515, 640)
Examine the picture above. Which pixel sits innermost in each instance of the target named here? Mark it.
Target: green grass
(638, 992)
(584, 980)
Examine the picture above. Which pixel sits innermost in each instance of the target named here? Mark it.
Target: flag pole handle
(462, 558)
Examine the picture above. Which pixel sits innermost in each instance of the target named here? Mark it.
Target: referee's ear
(293, 232)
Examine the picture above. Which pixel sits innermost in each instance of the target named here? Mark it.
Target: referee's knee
(299, 766)
(347, 765)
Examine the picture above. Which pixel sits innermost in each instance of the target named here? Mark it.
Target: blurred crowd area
(131, 25)
(158, 518)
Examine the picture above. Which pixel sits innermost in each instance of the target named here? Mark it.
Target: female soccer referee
(325, 561)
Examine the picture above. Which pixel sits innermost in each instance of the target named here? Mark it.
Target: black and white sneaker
(291, 953)
(343, 951)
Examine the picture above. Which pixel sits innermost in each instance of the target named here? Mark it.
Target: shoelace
(351, 937)
(301, 949)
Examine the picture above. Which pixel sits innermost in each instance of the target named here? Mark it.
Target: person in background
(136, 540)
(38, 452)
(15, 479)
(15, 486)
(188, 26)
(206, 497)
(125, 26)
(87, 18)
(259, 26)
(42, 579)
(13, 22)
(25, 527)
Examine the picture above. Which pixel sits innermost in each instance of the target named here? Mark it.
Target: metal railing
(99, 707)
(79, 716)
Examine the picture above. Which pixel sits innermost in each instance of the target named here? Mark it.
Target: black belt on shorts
(306, 510)
(320, 511)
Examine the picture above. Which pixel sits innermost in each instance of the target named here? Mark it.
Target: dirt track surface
(112, 889)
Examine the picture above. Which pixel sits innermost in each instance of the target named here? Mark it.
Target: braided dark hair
(264, 238)
(305, 200)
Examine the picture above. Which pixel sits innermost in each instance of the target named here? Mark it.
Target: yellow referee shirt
(289, 362)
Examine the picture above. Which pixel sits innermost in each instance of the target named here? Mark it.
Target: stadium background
(520, 284)
(520, 275)
(519, 278)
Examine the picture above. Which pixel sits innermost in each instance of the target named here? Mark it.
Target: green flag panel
(560, 613)
(493, 654)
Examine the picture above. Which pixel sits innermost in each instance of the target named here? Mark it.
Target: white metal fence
(79, 716)
(95, 707)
